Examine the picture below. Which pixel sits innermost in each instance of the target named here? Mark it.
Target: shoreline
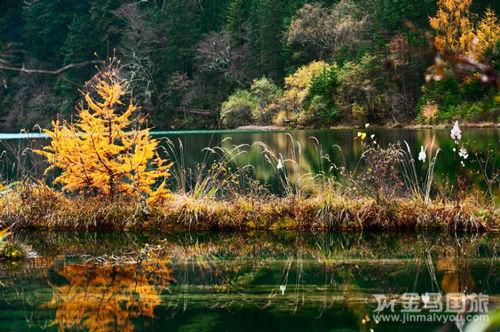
(257, 128)
(474, 125)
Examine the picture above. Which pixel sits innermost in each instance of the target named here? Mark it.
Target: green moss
(11, 251)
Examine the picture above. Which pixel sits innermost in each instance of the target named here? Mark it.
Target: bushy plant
(317, 109)
(324, 84)
(382, 178)
(265, 92)
(237, 110)
(254, 106)
(362, 83)
(445, 93)
(280, 118)
(322, 95)
(359, 114)
(429, 111)
(467, 100)
(298, 84)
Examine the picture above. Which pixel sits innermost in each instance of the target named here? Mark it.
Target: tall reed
(419, 188)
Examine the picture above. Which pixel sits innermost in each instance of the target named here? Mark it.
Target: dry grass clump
(38, 206)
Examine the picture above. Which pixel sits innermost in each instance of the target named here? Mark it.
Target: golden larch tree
(488, 32)
(458, 33)
(104, 151)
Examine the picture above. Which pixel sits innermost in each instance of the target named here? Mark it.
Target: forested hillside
(227, 63)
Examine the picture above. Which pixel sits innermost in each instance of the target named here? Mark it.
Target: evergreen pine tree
(237, 22)
(181, 24)
(271, 39)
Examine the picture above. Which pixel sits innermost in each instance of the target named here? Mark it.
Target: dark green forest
(228, 63)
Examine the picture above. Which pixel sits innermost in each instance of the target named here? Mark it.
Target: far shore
(252, 128)
(389, 126)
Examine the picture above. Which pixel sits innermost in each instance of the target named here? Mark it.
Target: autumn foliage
(104, 151)
(298, 83)
(458, 32)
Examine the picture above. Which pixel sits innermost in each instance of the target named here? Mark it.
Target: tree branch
(51, 72)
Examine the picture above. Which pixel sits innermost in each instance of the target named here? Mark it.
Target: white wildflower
(372, 136)
(280, 164)
(282, 289)
(367, 125)
(463, 153)
(456, 133)
(422, 155)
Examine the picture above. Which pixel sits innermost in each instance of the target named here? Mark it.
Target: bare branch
(51, 72)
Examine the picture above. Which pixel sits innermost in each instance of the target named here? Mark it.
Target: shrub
(237, 110)
(265, 92)
(280, 119)
(467, 100)
(324, 84)
(445, 93)
(382, 179)
(317, 107)
(429, 111)
(359, 114)
(298, 84)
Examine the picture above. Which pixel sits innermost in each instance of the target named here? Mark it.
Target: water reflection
(224, 281)
(108, 296)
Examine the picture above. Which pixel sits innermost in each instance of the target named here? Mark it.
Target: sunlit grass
(38, 206)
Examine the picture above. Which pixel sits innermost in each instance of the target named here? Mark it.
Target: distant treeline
(211, 63)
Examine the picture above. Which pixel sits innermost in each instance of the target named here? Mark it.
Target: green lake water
(307, 145)
(238, 282)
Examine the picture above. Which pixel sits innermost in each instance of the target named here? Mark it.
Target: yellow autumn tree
(104, 151)
(487, 32)
(458, 33)
(297, 84)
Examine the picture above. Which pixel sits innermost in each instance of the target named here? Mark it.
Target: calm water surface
(338, 144)
(236, 282)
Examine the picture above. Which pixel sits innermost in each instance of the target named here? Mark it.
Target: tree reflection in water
(279, 276)
(107, 296)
